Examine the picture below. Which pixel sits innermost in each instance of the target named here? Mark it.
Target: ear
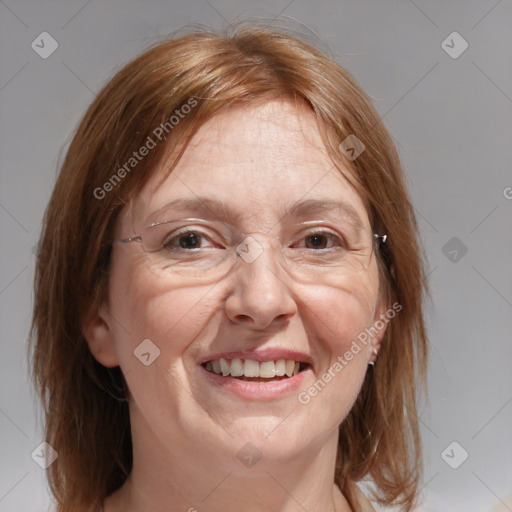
(381, 319)
(99, 336)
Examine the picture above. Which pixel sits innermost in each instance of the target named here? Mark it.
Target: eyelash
(181, 234)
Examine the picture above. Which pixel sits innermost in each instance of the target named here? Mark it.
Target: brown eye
(184, 240)
(317, 241)
(192, 238)
(322, 240)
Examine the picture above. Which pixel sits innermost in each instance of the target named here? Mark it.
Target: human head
(208, 73)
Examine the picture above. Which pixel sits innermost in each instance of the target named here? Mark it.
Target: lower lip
(250, 390)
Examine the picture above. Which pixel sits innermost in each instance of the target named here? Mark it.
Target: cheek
(172, 320)
(145, 307)
(341, 313)
(335, 318)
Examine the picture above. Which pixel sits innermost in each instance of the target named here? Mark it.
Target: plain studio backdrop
(439, 72)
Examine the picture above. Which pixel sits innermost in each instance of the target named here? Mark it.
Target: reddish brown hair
(85, 404)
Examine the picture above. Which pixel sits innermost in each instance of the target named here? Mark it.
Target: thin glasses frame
(138, 238)
(201, 259)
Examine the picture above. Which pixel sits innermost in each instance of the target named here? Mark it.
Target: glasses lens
(198, 253)
(192, 252)
(325, 257)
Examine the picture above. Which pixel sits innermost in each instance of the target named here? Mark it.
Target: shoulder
(363, 503)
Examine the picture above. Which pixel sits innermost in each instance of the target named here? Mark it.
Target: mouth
(250, 370)
(256, 375)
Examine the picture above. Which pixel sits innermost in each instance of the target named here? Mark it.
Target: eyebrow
(220, 210)
(326, 206)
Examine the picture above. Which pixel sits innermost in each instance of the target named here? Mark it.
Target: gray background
(451, 118)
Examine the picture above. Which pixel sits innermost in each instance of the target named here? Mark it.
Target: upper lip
(268, 354)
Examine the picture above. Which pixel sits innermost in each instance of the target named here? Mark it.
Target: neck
(192, 478)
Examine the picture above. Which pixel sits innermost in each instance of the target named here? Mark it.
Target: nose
(261, 294)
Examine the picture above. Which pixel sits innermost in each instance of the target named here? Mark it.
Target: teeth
(280, 367)
(216, 367)
(224, 367)
(237, 368)
(268, 369)
(251, 368)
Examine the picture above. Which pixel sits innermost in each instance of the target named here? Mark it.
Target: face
(276, 316)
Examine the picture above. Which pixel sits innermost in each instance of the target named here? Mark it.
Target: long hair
(86, 404)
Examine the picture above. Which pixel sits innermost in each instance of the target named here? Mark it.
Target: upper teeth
(251, 368)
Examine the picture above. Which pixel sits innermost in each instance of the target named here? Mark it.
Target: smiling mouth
(256, 371)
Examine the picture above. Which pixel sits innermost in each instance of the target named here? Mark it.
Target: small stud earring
(372, 363)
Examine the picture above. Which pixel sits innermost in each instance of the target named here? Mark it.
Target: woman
(228, 294)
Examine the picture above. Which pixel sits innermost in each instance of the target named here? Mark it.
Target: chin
(273, 440)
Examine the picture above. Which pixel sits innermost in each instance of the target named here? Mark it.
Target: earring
(372, 363)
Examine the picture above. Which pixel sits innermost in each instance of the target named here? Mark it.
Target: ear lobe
(380, 323)
(98, 334)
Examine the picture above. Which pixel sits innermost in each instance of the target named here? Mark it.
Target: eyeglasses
(198, 250)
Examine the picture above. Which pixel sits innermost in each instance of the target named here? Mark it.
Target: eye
(319, 240)
(186, 239)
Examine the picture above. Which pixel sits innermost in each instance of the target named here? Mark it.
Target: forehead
(255, 162)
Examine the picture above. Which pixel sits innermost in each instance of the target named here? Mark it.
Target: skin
(186, 434)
